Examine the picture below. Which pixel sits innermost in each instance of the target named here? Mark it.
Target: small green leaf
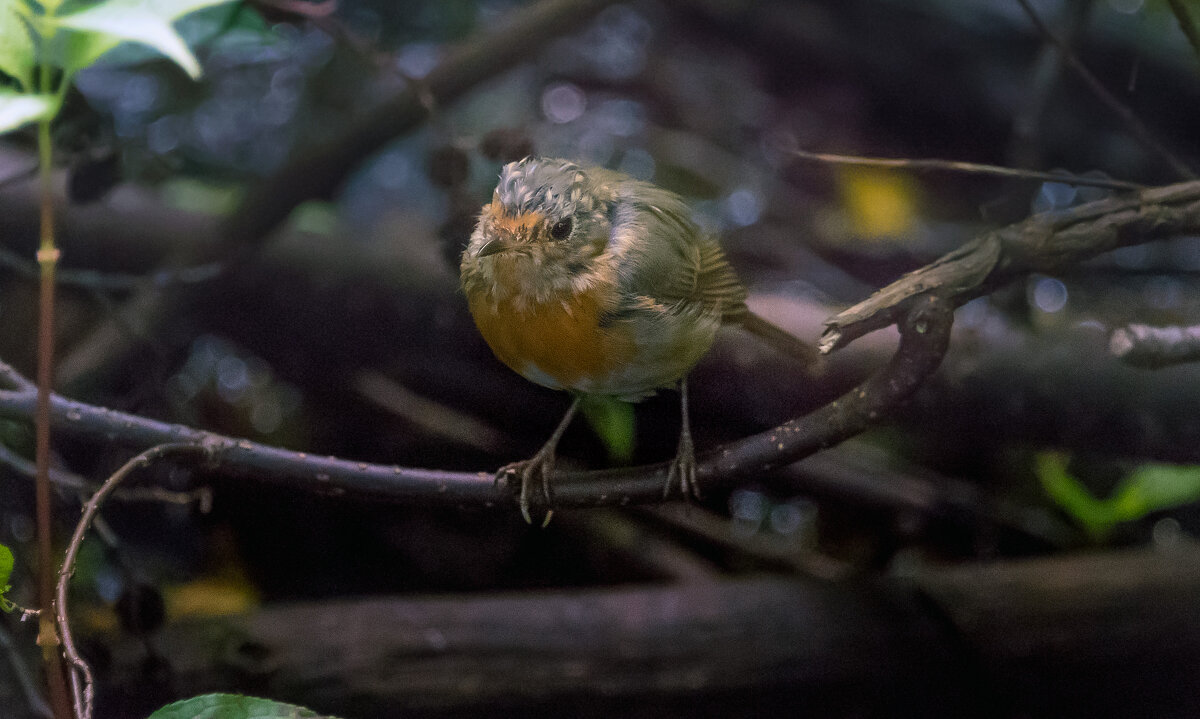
(1073, 497)
(233, 706)
(16, 45)
(6, 567)
(1149, 488)
(612, 421)
(101, 27)
(18, 109)
(1152, 487)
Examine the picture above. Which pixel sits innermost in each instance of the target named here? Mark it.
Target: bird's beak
(491, 247)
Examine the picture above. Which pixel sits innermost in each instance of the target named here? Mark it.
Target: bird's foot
(539, 466)
(683, 470)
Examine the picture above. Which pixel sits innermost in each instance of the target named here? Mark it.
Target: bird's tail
(782, 341)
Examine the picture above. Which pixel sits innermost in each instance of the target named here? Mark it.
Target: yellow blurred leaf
(211, 596)
(880, 203)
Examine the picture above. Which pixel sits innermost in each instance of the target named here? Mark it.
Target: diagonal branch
(1042, 243)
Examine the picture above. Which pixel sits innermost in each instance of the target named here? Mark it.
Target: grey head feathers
(556, 187)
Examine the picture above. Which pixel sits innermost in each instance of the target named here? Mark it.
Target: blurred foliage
(879, 203)
(1148, 488)
(613, 422)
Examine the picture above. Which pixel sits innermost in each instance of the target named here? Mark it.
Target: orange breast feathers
(558, 343)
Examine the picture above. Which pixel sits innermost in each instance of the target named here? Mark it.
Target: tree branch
(925, 333)
(1042, 243)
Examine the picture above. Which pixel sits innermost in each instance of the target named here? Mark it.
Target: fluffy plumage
(634, 278)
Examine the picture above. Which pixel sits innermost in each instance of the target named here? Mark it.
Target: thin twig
(82, 683)
(1135, 126)
(112, 281)
(970, 168)
(201, 496)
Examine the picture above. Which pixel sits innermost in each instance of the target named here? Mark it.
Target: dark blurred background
(342, 332)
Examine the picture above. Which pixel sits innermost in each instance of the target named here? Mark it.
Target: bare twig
(201, 496)
(969, 168)
(112, 281)
(81, 674)
(1135, 126)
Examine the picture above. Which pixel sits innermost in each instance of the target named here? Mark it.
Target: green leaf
(18, 108)
(101, 27)
(6, 567)
(16, 45)
(233, 706)
(1152, 487)
(1149, 488)
(612, 420)
(1071, 496)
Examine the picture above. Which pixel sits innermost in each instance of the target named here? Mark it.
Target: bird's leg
(683, 467)
(541, 463)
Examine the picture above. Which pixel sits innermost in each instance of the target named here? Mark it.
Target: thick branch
(1042, 243)
(1125, 638)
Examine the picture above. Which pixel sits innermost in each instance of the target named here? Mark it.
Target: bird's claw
(683, 470)
(529, 470)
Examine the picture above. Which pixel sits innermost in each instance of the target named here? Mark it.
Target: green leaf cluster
(1149, 488)
(37, 36)
(234, 706)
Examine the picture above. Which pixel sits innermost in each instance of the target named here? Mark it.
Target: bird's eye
(561, 229)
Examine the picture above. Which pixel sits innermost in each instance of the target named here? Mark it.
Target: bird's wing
(676, 265)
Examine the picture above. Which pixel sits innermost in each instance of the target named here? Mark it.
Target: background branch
(968, 168)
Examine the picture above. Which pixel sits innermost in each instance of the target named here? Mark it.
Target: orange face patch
(520, 225)
(565, 343)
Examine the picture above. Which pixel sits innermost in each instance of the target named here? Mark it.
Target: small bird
(587, 280)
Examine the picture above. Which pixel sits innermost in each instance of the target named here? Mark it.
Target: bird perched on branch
(587, 280)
